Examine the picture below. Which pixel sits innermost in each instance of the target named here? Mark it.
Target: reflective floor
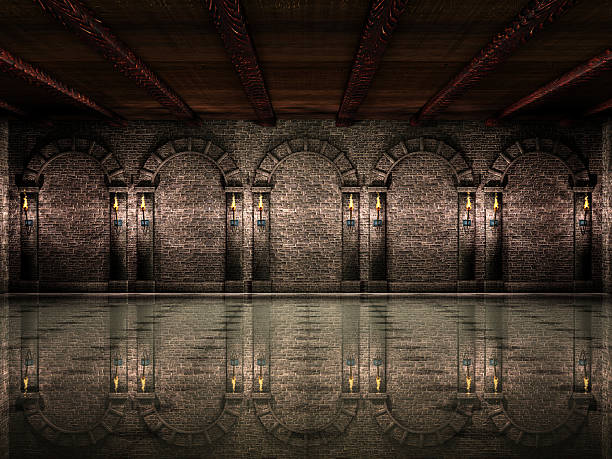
(294, 376)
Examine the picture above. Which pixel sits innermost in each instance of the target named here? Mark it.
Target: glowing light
(143, 206)
(586, 202)
(468, 205)
(116, 203)
(586, 383)
(378, 206)
(116, 382)
(495, 383)
(233, 202)
(260, 206)
(496, 204)
(378, 384)
(143, 383)
(25, 385)
(25, 202)
(468, 382)
(351, 206)
(261, 384)
(351, 380)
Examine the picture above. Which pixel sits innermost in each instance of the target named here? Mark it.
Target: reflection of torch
(260, 363)
(144, 362)
(117, 361)
(29, 361)
(378, 363)
(467, 362)
(493, 363)
(582, 361)
(234, 362)
(351, 363)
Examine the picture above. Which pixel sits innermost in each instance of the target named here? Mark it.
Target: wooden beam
(33, 75)
(92, 30)
(584, 71)
(231, 24)
(4, 105)
(607, 105)
(382, 21)
(527, 24)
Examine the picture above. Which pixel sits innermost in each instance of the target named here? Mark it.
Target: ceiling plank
(382, 21)
(230, 22)
(578, 74)
(33, 75)
(4, 105)
(529, 21)
(599, 108)
(92, 30)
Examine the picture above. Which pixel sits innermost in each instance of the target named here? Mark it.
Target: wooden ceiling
(305, 50)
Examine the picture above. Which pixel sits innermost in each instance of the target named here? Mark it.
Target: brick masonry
(4, 205)
(306, 342)
(421, 247)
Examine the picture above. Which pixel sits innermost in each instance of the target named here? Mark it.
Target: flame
(378, 384)
(351, 383)
(468, 205)
(25, 202)
(261, 384)
(143, 206)
(586, 384)
(233, 384)
(351, 206)
(496, 204)
(468, 382)
(233, 201)
(495, 383)
(378, 201)
(260, 206)
(116, 203)
(143, 383)
(586, 202)
(25, 385)
(116, 382)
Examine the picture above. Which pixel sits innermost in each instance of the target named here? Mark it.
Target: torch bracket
(29, 222)
(144, 222)
(467, 222)
(378, 223)
(261, 222)
(350, 223)
(118, 222)
(493, 223)
(234, 222)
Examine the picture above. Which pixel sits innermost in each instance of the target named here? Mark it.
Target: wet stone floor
(161, 376)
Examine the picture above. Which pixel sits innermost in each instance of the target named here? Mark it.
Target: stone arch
(568, 426)
(461, 171)
(230, 172)
(109, 163)
(576, 165)
(347, 174)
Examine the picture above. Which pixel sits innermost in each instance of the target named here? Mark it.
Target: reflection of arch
(345, 413)
(570, 425)
(194, 146)
(575, 164)
(457, 162)
(108, 161)
(115, 411)
(421, 438)
(147, 408)
(347, 175)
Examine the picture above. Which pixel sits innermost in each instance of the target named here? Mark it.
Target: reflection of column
(145, 238)
(494, 344)
(350, 346)
(466, 347)
(233, 245)
(4, 376)
(29, 346)
(29, 237)
(145, 346)
(583, 351)
(583, 236)
(378, 349)
(350, 239)
(261, 345)
(118, 347)
(493, 239)
(466, 237)
(234, 345)
(261, 239)
(118, 239)
(378, 239)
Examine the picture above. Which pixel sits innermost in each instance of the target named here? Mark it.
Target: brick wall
(4, 205)
(606, 186)
(4, 378)
(190, 249)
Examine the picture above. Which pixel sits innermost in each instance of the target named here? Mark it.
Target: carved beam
(33, 75)
(528, 23)
(230, 22)
(599, 108)
(584, 71)
(82, 21)
(382, 21)
(4, 105)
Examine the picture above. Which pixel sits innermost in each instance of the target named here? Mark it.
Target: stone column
(145, 243)
(583, 238)
(30, 224)
(261, 239)
(233, 239)
(466, 239)
(377, 281)
(493, 229)
(350, 239)
(118, 279)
